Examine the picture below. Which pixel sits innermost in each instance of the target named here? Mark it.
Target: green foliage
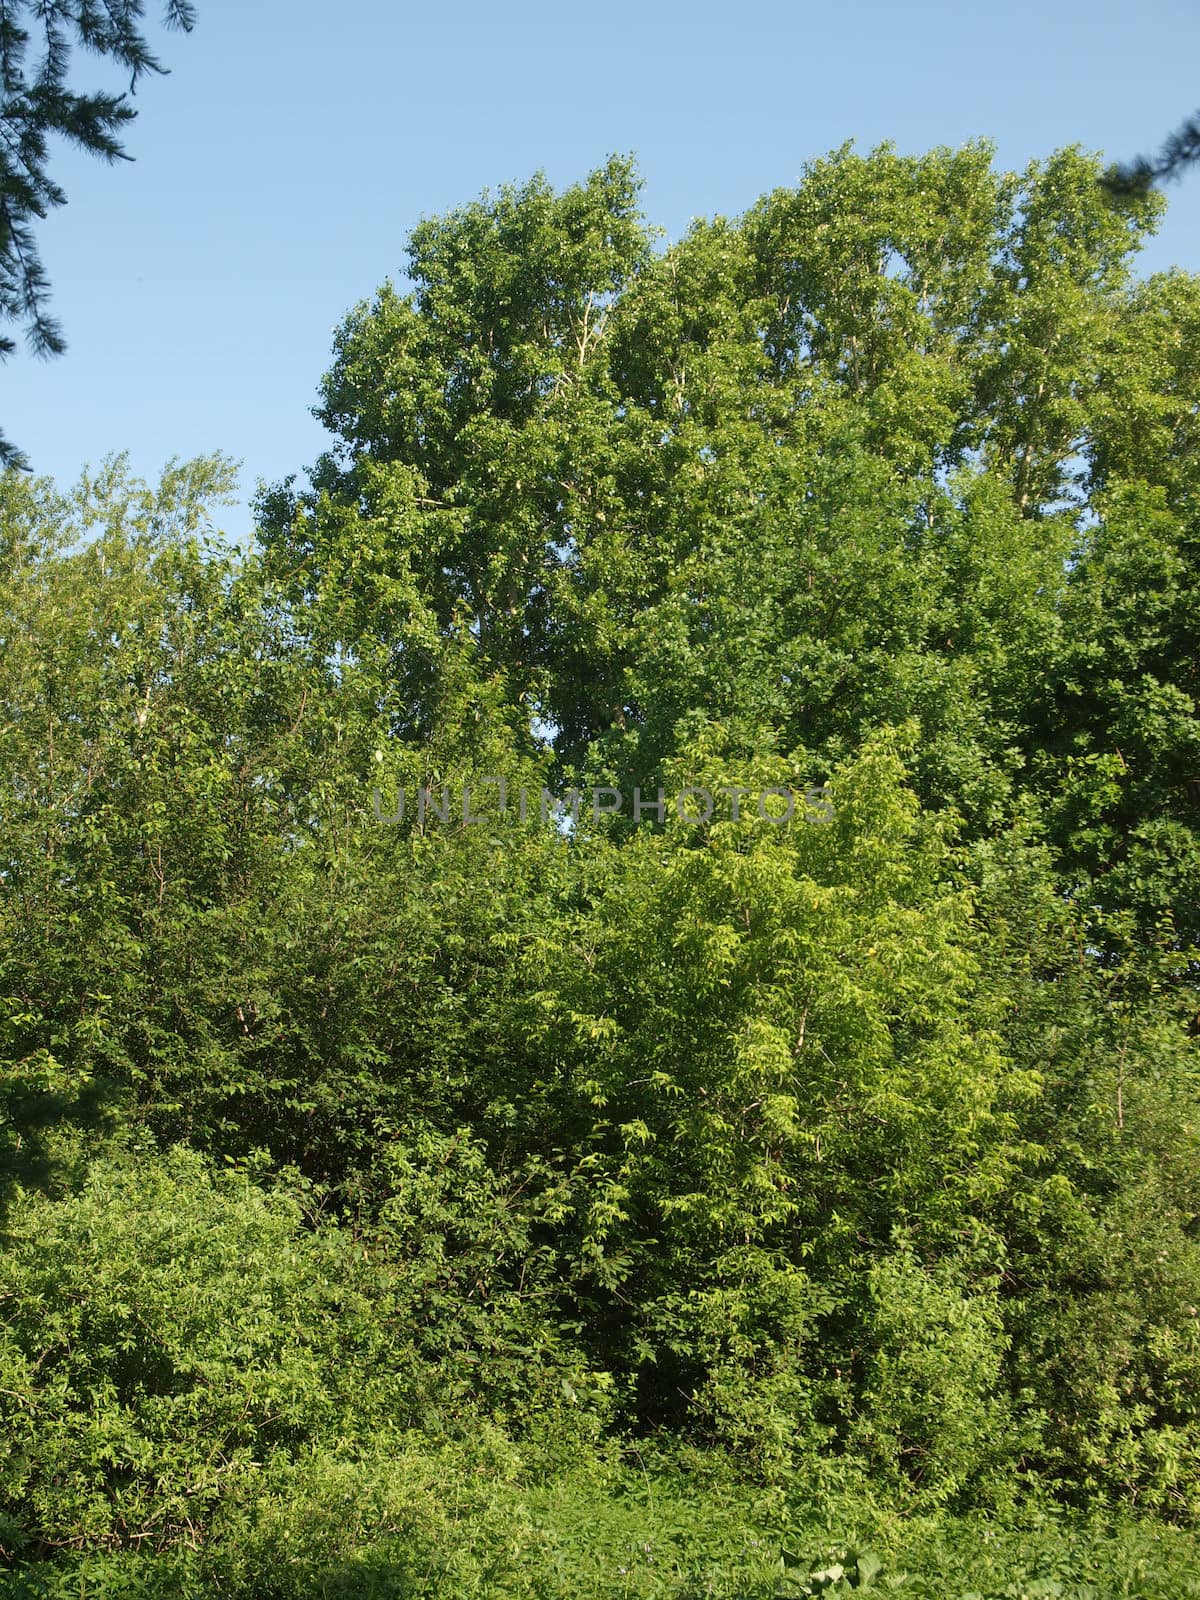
(853, 1570)
(933, 1407)
(408, 1200)
(175, 1337)
(763, 1063)
(857, 457)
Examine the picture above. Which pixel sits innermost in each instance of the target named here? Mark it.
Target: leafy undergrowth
(451, 1524)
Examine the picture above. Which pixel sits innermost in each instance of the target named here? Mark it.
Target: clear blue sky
(281, 164)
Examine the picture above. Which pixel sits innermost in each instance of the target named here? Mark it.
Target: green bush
(933, 1414)
(171, 1334)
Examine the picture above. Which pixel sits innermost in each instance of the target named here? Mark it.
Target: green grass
(444, 1527)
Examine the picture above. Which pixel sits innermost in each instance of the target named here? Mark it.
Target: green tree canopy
(865, 454)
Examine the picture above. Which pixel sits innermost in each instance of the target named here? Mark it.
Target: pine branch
(1135, 179)
(36, 104)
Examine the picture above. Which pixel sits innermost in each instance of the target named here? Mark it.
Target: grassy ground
(438, 1528)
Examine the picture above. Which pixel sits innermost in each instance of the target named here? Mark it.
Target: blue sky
(281, 165)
